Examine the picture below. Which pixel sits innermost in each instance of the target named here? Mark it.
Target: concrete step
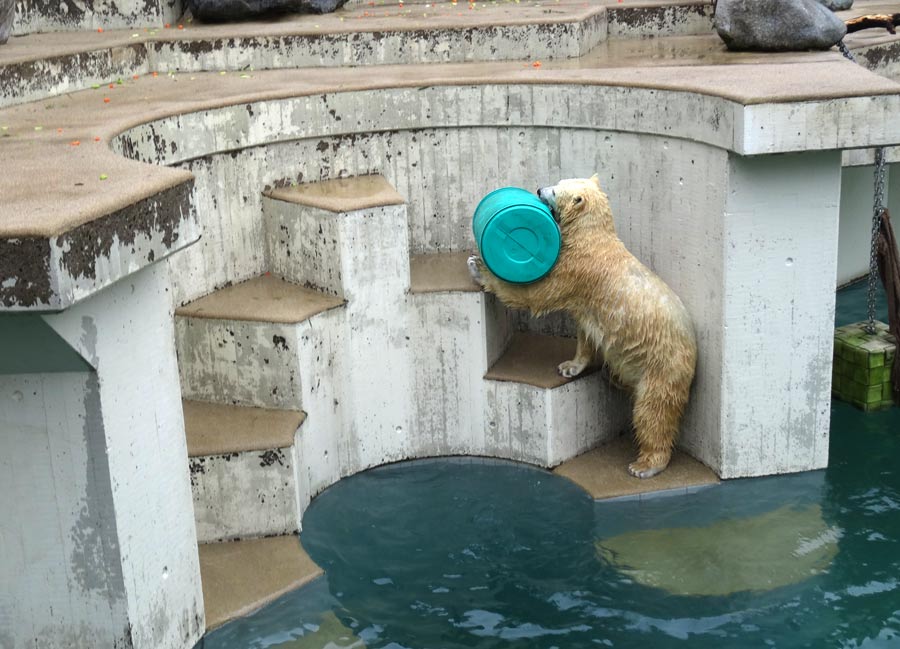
(441, 273)
(535, 415)
(242, 470)
(250, 344)
(603, 473)
(242, 576)
(38, 65)
(349, 237)
(457, 331)
(338, 236)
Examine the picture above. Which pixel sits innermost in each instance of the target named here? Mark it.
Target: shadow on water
(445, 554)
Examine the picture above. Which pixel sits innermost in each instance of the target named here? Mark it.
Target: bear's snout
(548, 197)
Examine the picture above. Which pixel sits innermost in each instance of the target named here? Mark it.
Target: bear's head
(577, 203)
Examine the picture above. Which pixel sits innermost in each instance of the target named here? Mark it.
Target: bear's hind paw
(644, 470)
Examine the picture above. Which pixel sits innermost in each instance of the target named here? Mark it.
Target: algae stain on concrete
(96, 564)
(759, 553)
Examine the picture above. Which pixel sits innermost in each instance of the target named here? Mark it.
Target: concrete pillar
(779, 238)
(96, 521)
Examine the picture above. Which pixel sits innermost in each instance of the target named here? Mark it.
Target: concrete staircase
(446, 371)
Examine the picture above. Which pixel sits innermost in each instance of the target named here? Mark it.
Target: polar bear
(627, 317)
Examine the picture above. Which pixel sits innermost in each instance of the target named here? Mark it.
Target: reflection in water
(440, 555)
(760, 552)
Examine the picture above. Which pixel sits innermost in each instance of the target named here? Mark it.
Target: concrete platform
(603, 473)
(263, 299)
(215, 428)
(242, 576)
(440, 273)
(341, 194)
(533, 359)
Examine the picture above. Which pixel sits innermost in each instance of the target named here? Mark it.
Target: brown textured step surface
(440, 272)
(214, 428)
(341, 194)
(603, 472)
(241, 576)
(533, 359)
(263, 299)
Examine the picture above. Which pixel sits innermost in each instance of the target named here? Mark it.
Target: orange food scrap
(156, 74)
(167, 25)
(74, 142)
(106, 100)
(180, 26)
(99, 30)
(96, 138)
(536, 64)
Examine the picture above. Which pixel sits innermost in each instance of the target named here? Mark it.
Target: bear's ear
(596, 180)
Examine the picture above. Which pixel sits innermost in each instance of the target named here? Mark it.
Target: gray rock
(837, 5)
(777, 25)
(7, 13)
(228, 10)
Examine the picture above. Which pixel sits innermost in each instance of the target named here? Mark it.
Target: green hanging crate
(861, 372)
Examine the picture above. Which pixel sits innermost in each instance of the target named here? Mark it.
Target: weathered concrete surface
(455, 337)
(659, 19)
(242, 576)
(684, 218)
(213, 428)
(776, 405)
(244, 494)
(242, 473)
(646, 105)
(49, 274)
(534, 414)
(239, 362)
(441, 272)
(50, 16)
(119, 514)
(603, 473)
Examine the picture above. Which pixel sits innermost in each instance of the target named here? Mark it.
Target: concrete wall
(98, 531)
(58, 15)
(662, 156)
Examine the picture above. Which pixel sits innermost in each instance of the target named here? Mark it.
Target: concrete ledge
(603, 472)
(50, 269)
(242, 576)
(340, 194)
(532, 359)
(440, 273)
(214, 428)
(263, 299)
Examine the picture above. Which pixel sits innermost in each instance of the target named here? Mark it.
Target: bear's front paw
(570, 369)
(475, 270)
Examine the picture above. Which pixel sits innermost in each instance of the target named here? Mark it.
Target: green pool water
(456, 553)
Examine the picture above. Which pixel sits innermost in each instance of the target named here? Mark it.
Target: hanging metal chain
(876, 227)
(878, 210)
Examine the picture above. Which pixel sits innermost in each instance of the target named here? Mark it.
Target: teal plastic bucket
(516, 235)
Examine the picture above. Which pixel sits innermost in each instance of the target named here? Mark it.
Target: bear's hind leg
(658, 406)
